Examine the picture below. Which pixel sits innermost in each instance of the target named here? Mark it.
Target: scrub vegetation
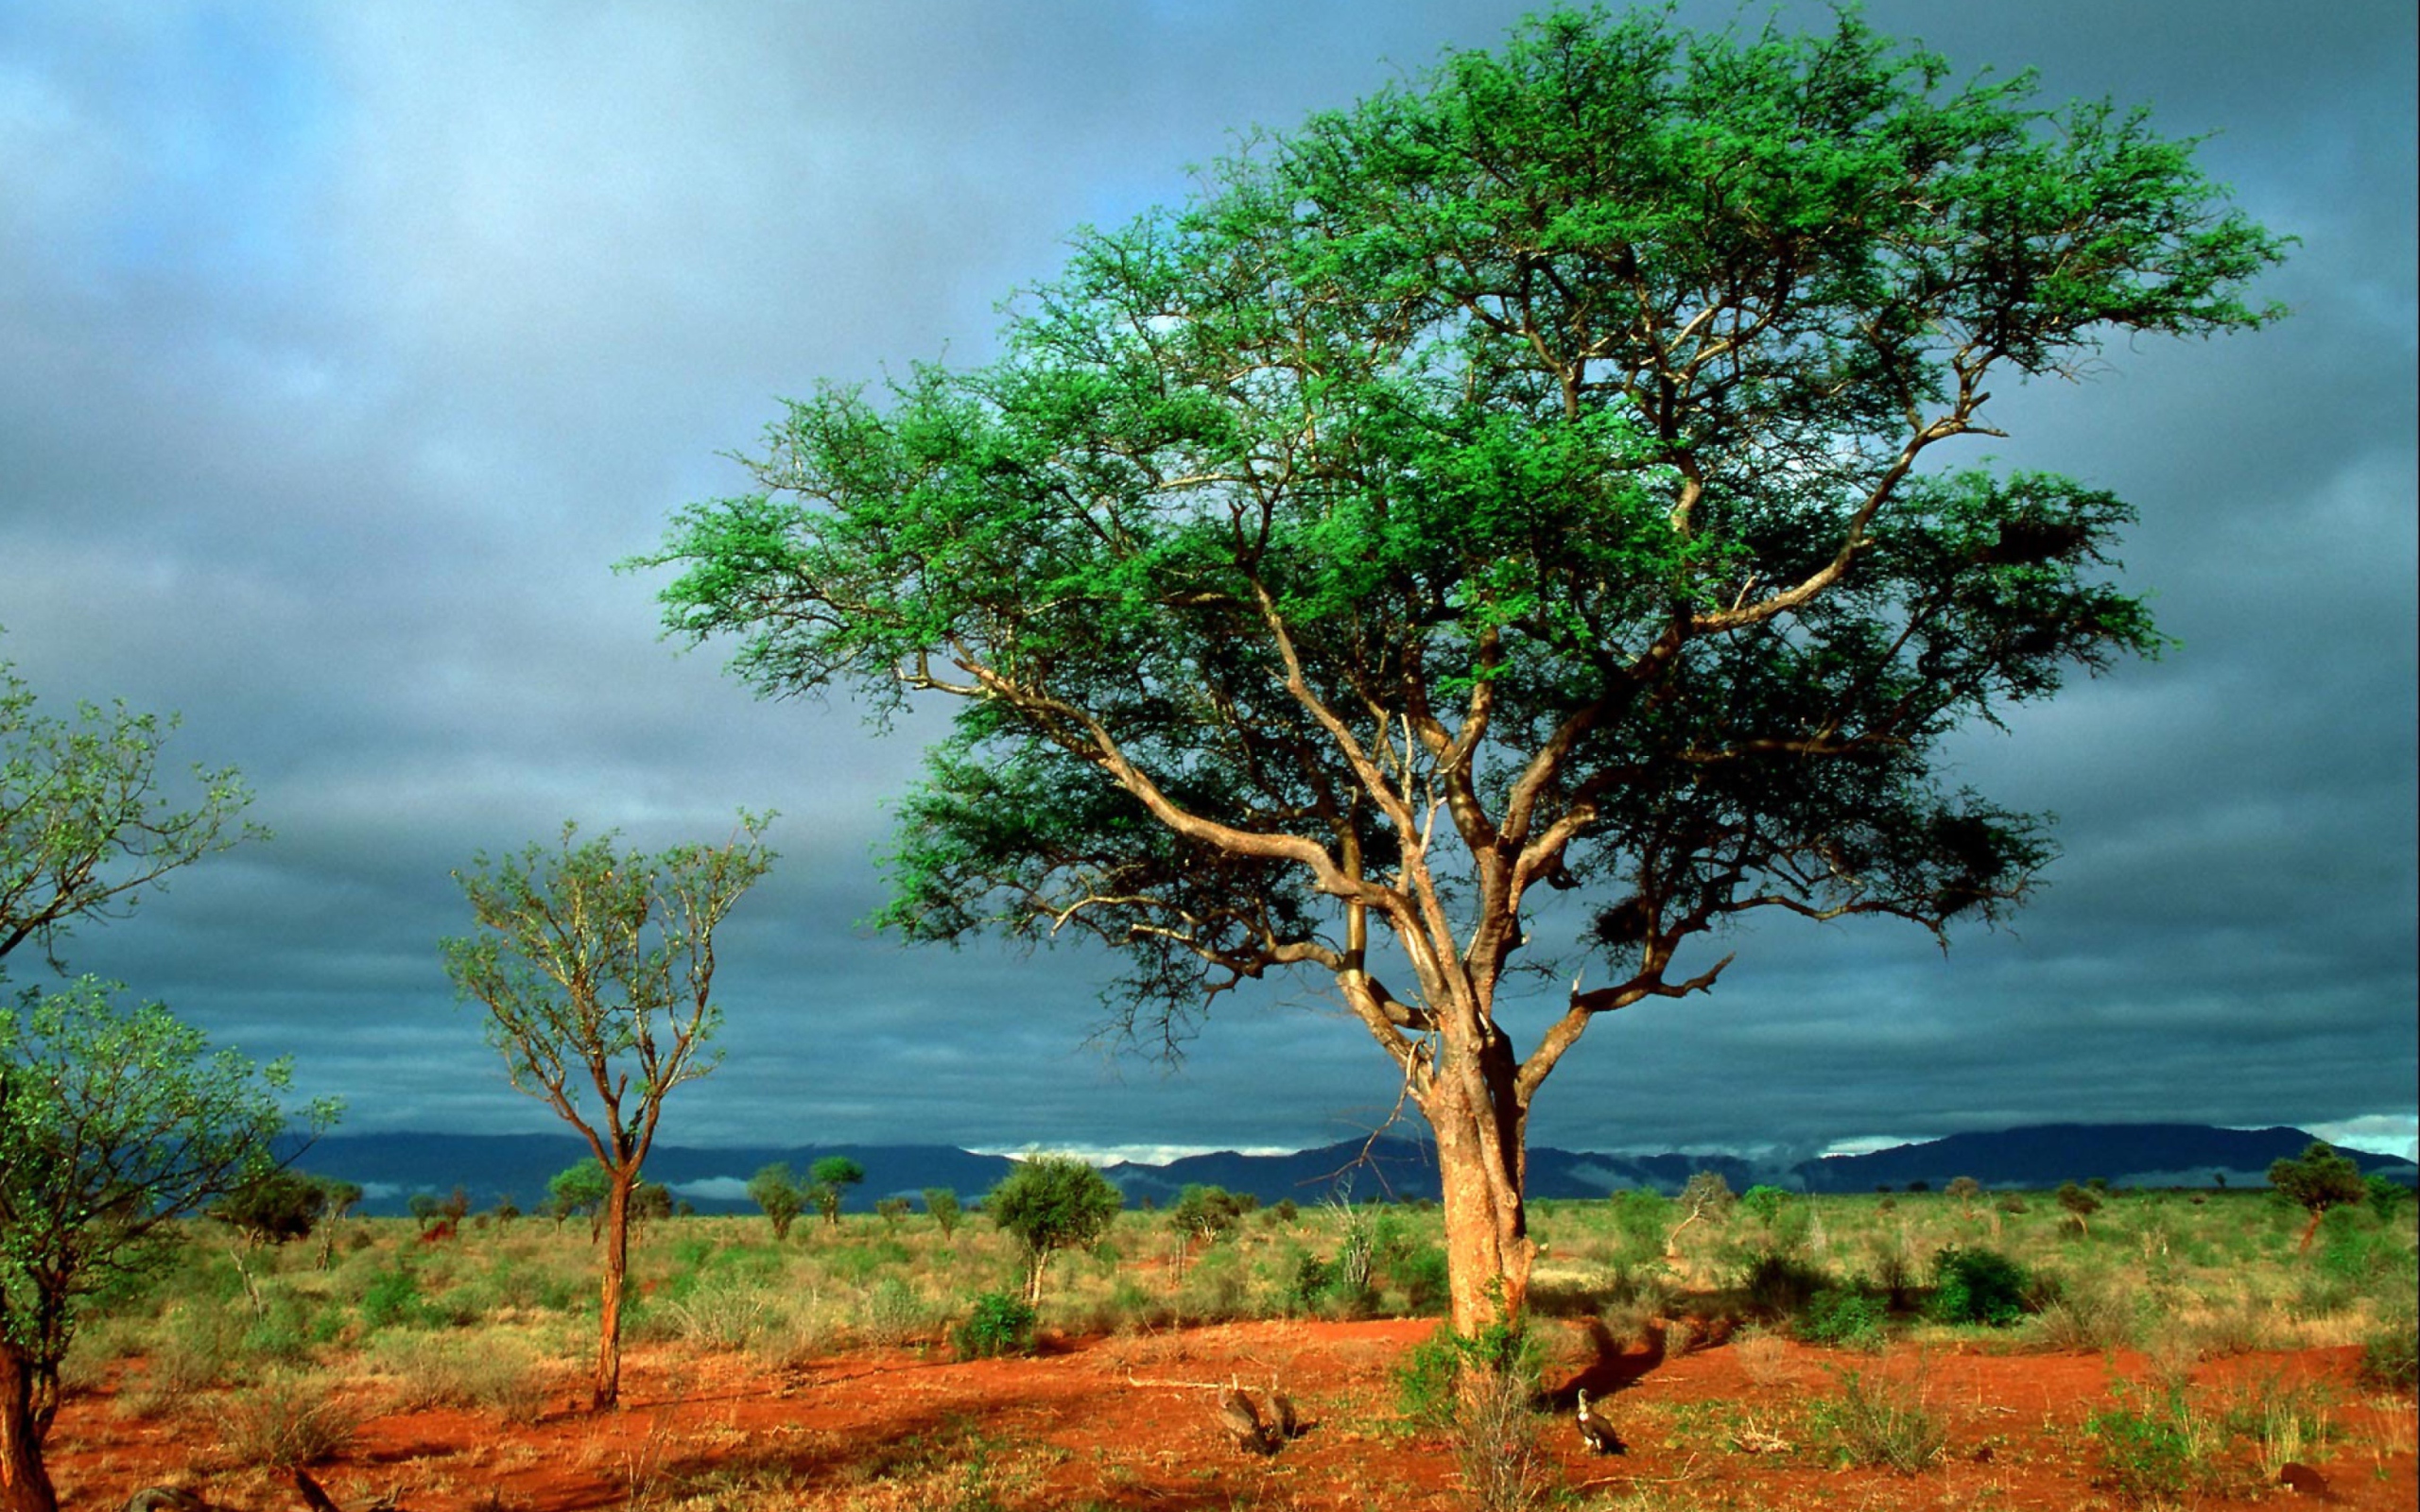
(2195, 1304)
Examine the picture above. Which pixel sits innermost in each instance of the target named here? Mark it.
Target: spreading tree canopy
(1532, 477)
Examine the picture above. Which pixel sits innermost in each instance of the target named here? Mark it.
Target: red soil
(1127, 1422)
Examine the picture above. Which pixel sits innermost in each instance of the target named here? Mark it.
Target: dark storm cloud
(342, 349)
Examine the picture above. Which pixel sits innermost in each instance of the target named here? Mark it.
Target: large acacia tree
(1524, 479)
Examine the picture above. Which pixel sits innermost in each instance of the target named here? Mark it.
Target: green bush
(1430, 1379)
(1842, 1319)
(1423, 1277)
(393, 1300)
(997, 1324)
(2161, 1452)
(2390, 1356)
(1978, 1286)
(2353, 1250)
(1780, 1285)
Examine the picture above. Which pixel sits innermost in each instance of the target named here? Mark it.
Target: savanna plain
(1910, 1349)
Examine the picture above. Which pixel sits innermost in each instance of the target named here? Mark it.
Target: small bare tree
(594, 967)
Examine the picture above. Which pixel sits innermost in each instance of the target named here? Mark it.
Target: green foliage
(85, 830)
(1457, 412)
(392, 1300)
(1780, 1285)
(941, 1202)
(1643, 1217)
(115, 1121)
(275, 1207)
(1430, 1376)
(775, 1191)
(650, 1201)
(997, 1324)
(1978, 1286)
(1206, 1212)
(1764, 1203)
(2318, 1179)
(594, 968)
(890, 1211)
(828, 1180)
(2080, 1203)
(1051, 1203)
(2385, 1195)
(2158, 1447)
(1842, 1319)
(2391, 1355)
(578, 1189)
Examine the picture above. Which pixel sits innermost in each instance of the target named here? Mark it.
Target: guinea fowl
(1241, 1421)
(1594, 1430)
(1281, 1421)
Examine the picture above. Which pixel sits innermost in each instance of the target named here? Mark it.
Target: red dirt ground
(1126, 1422)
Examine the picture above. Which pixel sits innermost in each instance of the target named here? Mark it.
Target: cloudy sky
(344, 348)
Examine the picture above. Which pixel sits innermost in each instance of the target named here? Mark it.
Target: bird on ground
(164, 1499)
(1281, 1419)
(1241, 1421)
(1595, 1430)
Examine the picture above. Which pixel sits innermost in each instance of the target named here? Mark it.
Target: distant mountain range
(392, 1167)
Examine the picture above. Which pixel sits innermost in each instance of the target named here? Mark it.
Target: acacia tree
(1524, 480)
(114, 1121)
(85, 828)
(595, 966)
(775, 1190)
(108, 1117)
(828, 1181)
(1050, 1203)
(2317, 1180)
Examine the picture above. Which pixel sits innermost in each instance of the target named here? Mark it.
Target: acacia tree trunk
(25, 1486)
(1480, 1166)
(605, 1387)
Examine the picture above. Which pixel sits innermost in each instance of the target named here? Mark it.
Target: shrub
(893, 1312)
(997, 1324)
(2080, 1204)
(2086, 1319)
(1429, 1380)
(1641, 1217)
(393, 1299)
(273, 1208)
(891, 1210)
(2390, 1356)
(285, 1422)
(1978, 1286)
(1842, 1319)
(941, 1202)
(1205, 1212)
(1497, 1443)
(1424, 1278)
(777, 1193)
(2162, 1450)
(438, 1370)
(1877, 1422)
(1779, 1285)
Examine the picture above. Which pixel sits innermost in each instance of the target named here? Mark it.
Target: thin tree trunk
(25, 1486)
(606, 1388)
